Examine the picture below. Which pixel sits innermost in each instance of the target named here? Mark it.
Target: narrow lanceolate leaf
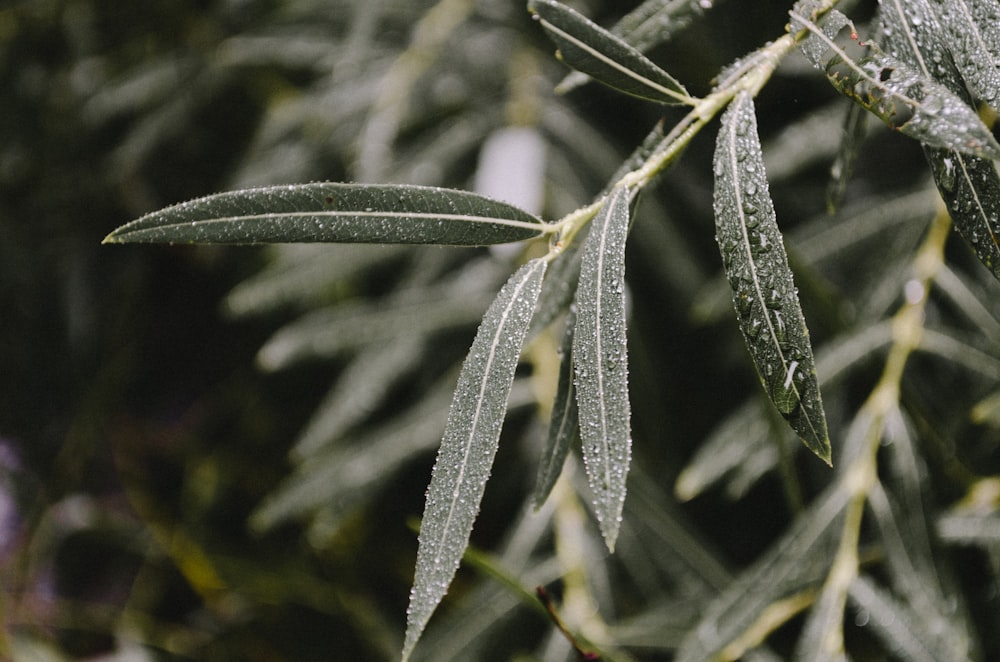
(652, 23)
(600, 357)
(470, 444)
(970, 186)
(901, 95)
(335, 212)
(764, 295)
(564, 425)
(591, 49)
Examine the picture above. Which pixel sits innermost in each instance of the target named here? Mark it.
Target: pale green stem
(754, 74)
(674, 143)
(861, 476)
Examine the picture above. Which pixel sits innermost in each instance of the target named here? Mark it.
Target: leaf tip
(610, 538)
(824, 453)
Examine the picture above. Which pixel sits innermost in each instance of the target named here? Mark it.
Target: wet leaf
(591, 49)
(987, 16)
(756, 265)
(564, 426)
(649, 25)
(600, 355)
(968, 41)
(470, 444)
(334, 212)
(901, 95)
(970, 186)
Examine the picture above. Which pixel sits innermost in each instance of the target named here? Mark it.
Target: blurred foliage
(218, 453)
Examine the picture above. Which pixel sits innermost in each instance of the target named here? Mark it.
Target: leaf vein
(615, 65)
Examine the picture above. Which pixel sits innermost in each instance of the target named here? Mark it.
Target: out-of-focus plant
(887, 553)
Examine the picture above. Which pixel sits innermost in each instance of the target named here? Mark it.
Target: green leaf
(902, 96)
(591, 49)
(756, 265)
(987, 16)
(968, 41)
(334, 212)
(600, 355)
(564, 426)
(470, 443)
(970, 186)
(649, 25)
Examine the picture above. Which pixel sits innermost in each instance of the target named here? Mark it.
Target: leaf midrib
(478, 411)
(615, 65)
(849, 61)
(737, 192)
(470, 218)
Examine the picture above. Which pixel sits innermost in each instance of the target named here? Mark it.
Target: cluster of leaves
(920, 73)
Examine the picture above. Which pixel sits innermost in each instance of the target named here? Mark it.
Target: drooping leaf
(756, 265)
(564, 426)
(469, 444)
(970, 186)
(968, 41)
(600, 356)
(649, 25)
(591, 49)
(336, 212)
(899, 94)
(468, 633)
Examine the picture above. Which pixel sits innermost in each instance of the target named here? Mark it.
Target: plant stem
(860, 476)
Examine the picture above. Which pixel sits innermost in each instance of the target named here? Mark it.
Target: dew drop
(946, 175)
